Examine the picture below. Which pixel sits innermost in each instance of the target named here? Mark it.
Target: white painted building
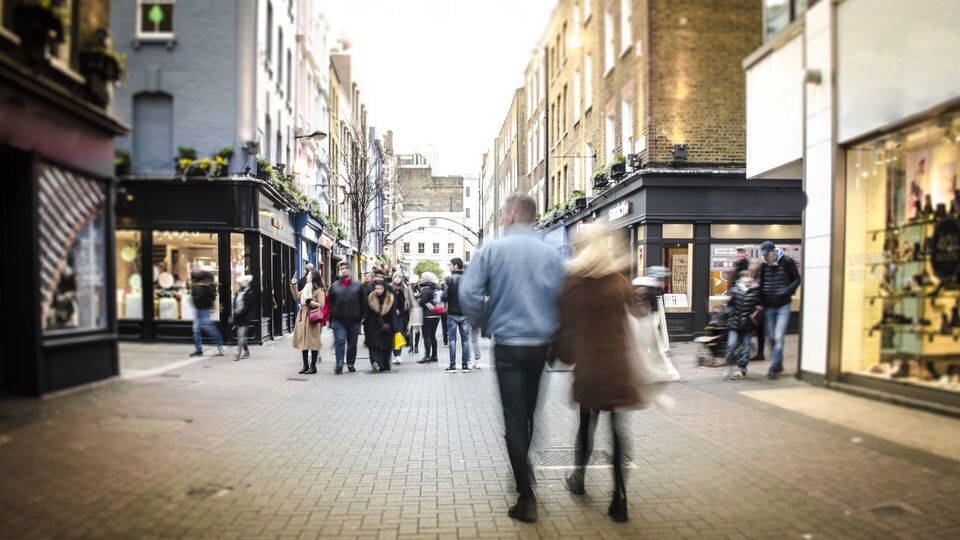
(862, 100)
(275, 96)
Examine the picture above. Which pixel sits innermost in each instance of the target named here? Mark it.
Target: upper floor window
(406, 247)
(269, 32)
(155, 18)
(436, 248)
(450, 248)
(466, 191)
(420, 247)
(778, 14)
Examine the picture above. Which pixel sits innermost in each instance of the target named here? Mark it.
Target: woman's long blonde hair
(599, 254)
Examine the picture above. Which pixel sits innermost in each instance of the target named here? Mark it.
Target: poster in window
(678, 272)
(918, 186)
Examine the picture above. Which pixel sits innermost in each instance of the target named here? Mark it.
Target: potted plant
(100, 65)
(600, 177)
(579, 201)
(222, 161)
(618, 166)
(121, 162)
(264, 169)
(38, 24)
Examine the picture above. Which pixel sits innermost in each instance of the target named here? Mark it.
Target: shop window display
(239, 260)
(129, 276)
(173, 253)
(902, 271)
(723, 257)
(78, 301)
(678, 258)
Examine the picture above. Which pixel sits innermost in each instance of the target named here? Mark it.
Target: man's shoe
(525, 510)
(338, 370)
(772, 376)
(759, 358)
(451, 369)
(245, 355)
(466, 369)
(219, 352)
(195, 354)
(351, 369)
(424, 360)
(434, 359)
(738, 375)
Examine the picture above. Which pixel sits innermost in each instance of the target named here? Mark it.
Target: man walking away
(203, 291)
(511, 290)
(456, 321)
(347, 304)
(779, 279)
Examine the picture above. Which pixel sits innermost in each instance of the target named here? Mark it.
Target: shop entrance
(276, 263)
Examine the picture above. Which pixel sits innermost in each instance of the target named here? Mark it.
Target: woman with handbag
(429, 289)
(306, 331)
(400, 295)
(594, 335)
(382, 322)
(415, 324)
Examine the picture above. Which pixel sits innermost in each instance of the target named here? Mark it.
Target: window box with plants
(38, 24)
(601, 177)
(618, 166)
(100, 65)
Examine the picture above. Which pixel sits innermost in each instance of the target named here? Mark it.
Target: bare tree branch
(363, 189)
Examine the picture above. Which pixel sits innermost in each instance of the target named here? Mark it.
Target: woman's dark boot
(618, 506)
(575, 482)
(313, 364)
(306, 367)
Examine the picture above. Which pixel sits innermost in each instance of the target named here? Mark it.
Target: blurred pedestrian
(743, 310)
(511, 291)
(429, 300)
(754, 269)
(415, 325)
(401, 295)
(244, 313)
(347, 306)
(382, 322)
(203, 292)
(302, 282)
(306, 334)
(456, 320)
(779, 279)
(594, 335)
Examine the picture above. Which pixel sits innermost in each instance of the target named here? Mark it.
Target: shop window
(901, 278)
(723, 259)
(678, 258)
(240, 261)
(155, 19)
(173, 254)
(72, 245)
(129, 276)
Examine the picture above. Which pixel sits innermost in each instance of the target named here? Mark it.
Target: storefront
(56, 147)
(230, 227)
(901, 287)
(328, 270)
(307, 239)
(693, 226)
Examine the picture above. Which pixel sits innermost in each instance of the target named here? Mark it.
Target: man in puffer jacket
(779, 279)
(743, 310)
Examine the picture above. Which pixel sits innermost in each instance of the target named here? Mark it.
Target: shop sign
(619, 210)
(325, 241)
(945, 256)
(277, 224)
(309, 234)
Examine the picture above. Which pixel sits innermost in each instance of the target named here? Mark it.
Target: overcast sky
(440, 73)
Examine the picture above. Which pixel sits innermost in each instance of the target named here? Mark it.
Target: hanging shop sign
(619, 210)
(325, 241)
(945, 255)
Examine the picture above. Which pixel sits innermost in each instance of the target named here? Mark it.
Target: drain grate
(892, 510)
(209, 491)
(552, 458)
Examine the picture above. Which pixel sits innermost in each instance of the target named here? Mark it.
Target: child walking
(744, 310)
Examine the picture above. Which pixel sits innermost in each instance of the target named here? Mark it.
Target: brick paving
(251, 449)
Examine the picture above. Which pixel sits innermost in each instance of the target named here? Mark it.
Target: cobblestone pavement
(251, 449)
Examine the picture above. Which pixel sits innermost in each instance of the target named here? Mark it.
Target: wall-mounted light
(317, 135)
(680, 151)
(812, 76)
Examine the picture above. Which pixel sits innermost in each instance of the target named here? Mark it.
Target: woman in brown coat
(306, 336)
(594, 336)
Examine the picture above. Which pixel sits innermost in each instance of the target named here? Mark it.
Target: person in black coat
(743, 311)
(381, 322)
(347, 307)
(779, 280)
(244, 313)
(428, 299)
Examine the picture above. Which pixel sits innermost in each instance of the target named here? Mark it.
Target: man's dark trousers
(518, 373)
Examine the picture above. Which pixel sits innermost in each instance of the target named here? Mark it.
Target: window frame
(156, 36)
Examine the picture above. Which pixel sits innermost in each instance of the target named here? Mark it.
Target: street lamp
(318, 135)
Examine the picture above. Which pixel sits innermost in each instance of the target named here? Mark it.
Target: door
(276, 262)
(266, 289)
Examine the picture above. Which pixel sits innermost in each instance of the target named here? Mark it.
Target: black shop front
(693, 223)
(229, 226)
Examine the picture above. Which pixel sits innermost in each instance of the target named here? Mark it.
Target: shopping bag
(398, 341)
(650, 361)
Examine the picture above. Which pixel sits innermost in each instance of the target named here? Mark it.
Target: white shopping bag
(651, 362)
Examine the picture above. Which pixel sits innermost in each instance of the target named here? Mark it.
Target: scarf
(307, 293)
(380, 307)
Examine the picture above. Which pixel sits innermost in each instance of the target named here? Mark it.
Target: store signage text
(277, 224)
(619, 210)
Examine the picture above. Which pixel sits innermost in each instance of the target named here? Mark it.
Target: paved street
(251, 449)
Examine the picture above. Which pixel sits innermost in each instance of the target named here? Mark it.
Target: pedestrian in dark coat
(743, 312)
(381, 323)
(401, 296)
(594, 335)
(244, 314)
(429, 289)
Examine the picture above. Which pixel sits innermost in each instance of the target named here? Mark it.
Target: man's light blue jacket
(511, 288)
